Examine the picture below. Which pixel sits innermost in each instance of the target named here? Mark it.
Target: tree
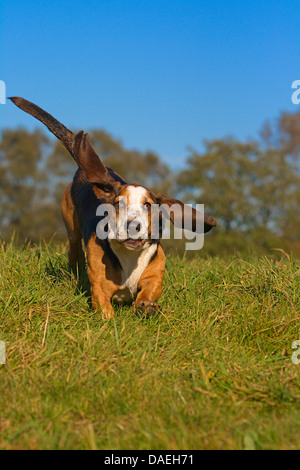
(252, 187)
(22, 181)
(281, 143)
(222, 179)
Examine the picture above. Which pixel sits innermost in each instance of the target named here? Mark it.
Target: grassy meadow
(212, 370)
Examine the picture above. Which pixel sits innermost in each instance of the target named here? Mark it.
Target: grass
(213, 370)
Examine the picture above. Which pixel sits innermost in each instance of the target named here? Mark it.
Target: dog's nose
(133, 225)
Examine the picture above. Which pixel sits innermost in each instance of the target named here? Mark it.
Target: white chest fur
(133, 265)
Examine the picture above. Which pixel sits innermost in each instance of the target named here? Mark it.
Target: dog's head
(137, 212)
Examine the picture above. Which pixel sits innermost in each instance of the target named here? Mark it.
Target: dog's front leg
(99, 299)
(102, 288)
(150, 285)
(146, 299)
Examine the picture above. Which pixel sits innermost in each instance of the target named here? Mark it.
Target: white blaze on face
(136, 213)
(135, 200)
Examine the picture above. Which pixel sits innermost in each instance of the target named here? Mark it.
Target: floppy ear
(94, 170)
(192, 217)
(86, 157)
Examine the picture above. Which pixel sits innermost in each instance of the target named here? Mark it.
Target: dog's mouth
(132, 243)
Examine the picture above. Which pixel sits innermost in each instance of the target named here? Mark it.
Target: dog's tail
(54, 126)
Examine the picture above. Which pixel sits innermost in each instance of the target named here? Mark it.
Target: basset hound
(127, 265)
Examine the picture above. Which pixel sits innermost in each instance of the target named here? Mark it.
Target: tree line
(252, 188)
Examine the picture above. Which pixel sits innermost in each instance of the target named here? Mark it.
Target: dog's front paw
(147, 308)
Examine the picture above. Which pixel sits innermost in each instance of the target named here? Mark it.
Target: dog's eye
(147, 205)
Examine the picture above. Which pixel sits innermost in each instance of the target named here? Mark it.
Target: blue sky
(159, 75)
